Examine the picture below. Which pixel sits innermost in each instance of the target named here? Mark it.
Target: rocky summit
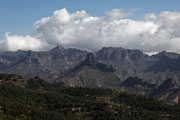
(51, 64)
(128, 70)
(91, 73)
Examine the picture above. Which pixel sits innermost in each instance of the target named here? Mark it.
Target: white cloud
(117, 13)
(15, 42)
(156, 32)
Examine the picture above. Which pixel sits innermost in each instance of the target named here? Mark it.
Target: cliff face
(109, 67)
(154, 69)
(168, 91)
(126, 62)
(90, 61)
(48, 65)
(111, 53)
(91, 73)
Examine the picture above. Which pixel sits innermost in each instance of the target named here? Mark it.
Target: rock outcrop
(91, 73)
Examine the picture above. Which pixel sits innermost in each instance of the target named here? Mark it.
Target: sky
(150, 26)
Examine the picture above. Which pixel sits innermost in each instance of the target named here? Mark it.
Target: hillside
(137, 86)
(168, 91)
(48, 65)
(37, 99)
(115, 68)
(153, 69)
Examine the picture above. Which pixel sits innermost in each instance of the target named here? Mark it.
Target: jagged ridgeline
(51, 64)
(91, 73)
(115, 68)
(35, 99)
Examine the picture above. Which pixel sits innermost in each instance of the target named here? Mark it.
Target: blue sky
(148, 25)
(18, 16)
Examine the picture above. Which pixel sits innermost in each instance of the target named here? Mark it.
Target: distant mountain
(166, 61)
(51, 64)
(91, 73)
(154, 69)
(47, 65)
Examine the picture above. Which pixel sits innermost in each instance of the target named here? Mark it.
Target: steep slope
(168, 92)
(167, 61)
(29, 65)
(47, 65)
(8, 59)
(174, 97)
(127, 62)
(90, 73)
(154, 69)
(40, 100)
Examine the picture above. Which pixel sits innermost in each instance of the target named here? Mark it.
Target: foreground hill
(35, 99)
(168, 91)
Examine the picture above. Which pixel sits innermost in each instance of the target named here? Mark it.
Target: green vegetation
(36, 99)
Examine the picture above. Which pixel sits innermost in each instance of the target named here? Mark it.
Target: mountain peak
(91, 73)
(118, 53)
(90, 60)
(165, 54)
(58, 47)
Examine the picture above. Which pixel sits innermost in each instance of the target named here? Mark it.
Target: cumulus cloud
(154, 32)
(117, 13)
(15, 42)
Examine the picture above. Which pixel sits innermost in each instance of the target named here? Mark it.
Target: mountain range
(115, 68)
(91, 73)
(51, 64)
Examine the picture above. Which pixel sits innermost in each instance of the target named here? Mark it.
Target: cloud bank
(153, 33)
